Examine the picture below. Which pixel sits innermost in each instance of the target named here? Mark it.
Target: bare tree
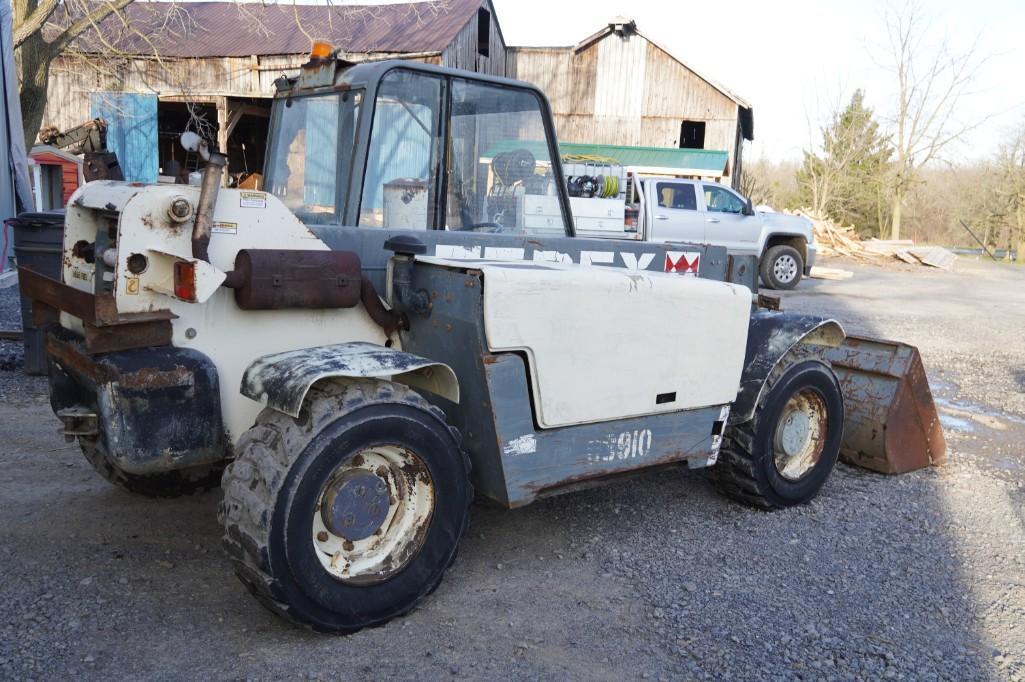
(37, 51)
(1009, 191)
(933, 80)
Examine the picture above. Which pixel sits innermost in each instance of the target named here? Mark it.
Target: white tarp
(15, 190)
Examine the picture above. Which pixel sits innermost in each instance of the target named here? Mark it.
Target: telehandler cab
(205, 330)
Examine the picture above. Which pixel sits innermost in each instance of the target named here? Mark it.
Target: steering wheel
(491, 227)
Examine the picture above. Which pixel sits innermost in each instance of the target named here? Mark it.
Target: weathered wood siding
(462, 52)
(73, 79)
(626, 90)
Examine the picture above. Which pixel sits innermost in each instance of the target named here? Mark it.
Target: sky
(795, 60)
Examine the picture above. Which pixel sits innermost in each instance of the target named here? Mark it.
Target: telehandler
(383, 333)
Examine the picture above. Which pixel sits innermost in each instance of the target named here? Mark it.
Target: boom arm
(88, 137)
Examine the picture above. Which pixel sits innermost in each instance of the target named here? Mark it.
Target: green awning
(651, 160)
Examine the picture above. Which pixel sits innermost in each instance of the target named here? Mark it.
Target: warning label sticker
(224, 228)
(252, 200)
(683, 262)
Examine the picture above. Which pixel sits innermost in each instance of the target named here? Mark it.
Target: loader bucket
(891, 424)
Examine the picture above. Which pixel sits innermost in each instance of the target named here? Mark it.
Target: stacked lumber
(835, 240)
(888, 247)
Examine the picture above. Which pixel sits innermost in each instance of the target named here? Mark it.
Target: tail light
(185, 280)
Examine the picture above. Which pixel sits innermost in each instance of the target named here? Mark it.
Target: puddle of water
(1007, 464)
(991, 418)
(955, 423)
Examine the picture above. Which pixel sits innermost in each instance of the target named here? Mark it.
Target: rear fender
(282, 380)
(770, 336)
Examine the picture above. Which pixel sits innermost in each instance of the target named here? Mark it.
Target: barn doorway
(238, 126)
(692, 135)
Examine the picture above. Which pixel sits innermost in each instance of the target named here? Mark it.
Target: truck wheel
(348, 516)
(781, 267)
(167, 484)
(784, 454)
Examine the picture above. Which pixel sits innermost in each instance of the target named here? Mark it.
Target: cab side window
(404, 160)
(721, 200)
(500, 172)
(676, 195)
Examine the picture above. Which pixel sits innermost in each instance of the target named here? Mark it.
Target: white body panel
(608, 355)
(232, 338)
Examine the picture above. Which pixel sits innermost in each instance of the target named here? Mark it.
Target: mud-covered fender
(282, 380)
(771, 334)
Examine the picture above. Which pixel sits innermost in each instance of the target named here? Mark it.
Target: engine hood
(791, 224)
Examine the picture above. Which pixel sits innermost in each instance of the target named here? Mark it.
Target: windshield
(311, 152)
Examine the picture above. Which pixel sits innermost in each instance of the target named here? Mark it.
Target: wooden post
(254, 74)
(222, 131)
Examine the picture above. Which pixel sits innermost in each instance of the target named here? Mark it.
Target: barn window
(483, 32)
(692, 135)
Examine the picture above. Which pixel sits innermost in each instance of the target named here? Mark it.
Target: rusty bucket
(891, 424)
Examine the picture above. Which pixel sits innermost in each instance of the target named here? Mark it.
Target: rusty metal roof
(237, 29)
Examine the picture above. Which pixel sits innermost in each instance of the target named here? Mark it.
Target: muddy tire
(169, 484)
(350, 515)
(781, 267)
(784, 454)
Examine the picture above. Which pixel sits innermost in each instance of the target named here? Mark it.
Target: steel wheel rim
(785, 268)
(799, 438)
(390, 474)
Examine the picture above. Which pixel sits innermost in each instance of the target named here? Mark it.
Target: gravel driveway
(656, 577)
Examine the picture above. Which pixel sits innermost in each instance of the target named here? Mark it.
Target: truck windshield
(311, 152)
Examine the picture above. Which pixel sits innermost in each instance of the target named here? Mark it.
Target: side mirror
(749, 209)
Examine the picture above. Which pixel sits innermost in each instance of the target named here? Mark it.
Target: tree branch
(34, 22)
(90, 19)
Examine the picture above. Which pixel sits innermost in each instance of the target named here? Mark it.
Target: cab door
(673, 207)
(725, 222)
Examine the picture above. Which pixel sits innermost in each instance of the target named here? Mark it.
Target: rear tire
(349, 516)
(783, 455)
(167, 484)
(781, 267)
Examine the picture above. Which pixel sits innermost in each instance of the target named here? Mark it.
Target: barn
(213, 64)
(618, 87)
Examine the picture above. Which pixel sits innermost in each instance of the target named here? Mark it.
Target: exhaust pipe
(211, 185)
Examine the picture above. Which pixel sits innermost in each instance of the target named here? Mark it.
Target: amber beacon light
(320, 50)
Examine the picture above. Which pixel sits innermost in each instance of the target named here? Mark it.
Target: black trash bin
(38, 243)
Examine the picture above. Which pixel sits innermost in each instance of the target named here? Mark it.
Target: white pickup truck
(666, 209)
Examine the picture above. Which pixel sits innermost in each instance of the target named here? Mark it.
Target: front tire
(784, 454)
(782, 267)
(350, 515)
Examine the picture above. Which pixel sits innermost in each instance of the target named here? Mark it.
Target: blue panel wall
(321, 151)
(131, 131)
(399, 148)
